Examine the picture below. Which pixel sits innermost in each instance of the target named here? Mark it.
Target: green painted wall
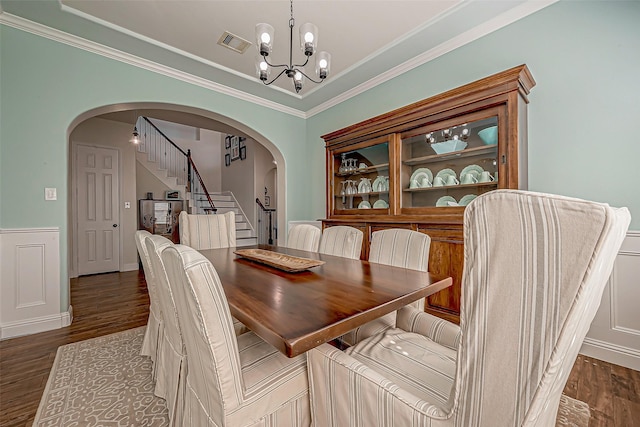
(584, 112)
(45, 85)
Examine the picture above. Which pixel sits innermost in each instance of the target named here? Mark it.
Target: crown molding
(469, 36)
(111, 53)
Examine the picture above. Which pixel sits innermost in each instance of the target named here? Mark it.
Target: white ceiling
(369, 41)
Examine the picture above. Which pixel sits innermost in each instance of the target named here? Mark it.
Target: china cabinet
(417, 167)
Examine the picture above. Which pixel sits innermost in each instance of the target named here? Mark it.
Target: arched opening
(124, 116)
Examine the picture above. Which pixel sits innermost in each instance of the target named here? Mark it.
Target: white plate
(422, 170)
(474, 169)
(444, 201)
(361, 187)
(444, 173)
(364, 205)
(465, 200)
(380, 204)
(380, 184)
(419, 177)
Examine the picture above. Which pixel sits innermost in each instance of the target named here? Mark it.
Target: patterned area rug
(104, 381)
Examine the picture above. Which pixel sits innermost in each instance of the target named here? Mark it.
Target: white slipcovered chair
(154, 324)
(341, 240)
(171, 355)
(172, 364)
(399, 248)
(304, 237)
(208, 231)
(243, 382)
(534, 272)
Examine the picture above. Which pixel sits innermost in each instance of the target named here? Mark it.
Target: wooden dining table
(296, 312)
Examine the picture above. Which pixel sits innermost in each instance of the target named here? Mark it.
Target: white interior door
(98, 209)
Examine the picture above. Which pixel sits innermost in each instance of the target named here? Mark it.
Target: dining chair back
(398, 248)
(341, 240)
(535, 268)
(172, 366)
(208, 231)
(232, 381)
(154, 324)
(305, 237)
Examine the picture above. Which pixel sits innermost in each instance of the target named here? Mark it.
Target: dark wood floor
(109, 303)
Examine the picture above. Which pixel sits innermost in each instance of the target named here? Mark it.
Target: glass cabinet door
(449, 163)
(361, 178)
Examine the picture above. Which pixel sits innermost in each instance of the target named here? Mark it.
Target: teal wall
(45, 85)
(584, 112)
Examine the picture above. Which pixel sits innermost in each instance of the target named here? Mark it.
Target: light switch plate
(127, 205)
(50, 194)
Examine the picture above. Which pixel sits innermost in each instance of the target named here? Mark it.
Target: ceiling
(369, 41)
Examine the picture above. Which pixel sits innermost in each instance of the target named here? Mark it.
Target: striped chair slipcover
(399, 248)
(171, 365)
(304, 237)
(154, 324)
(230, 382)
(535, 269)
(208, 231)
(341, 240)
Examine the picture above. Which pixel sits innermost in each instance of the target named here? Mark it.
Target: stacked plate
(474, 170)
(450, 201)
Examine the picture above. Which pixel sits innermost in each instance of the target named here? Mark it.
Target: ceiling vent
(233, 42)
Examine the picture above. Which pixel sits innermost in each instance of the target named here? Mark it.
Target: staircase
(169, 164)
(226, 202)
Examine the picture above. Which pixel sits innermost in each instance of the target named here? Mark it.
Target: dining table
(297, 311)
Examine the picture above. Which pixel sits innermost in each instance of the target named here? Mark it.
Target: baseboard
(38, 324)
(130, 267)
(612, 353)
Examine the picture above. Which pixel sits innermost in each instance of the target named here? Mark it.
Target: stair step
(243, 233)
(221, 197)
(248, 241)
(222, 210)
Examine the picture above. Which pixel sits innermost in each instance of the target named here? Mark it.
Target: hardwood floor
(102, 304)
(108, 303)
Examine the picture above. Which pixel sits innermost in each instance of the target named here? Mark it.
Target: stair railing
(267, 229)
(162, 150)
(239, 207)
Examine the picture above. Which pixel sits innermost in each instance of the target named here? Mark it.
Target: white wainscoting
(615, 332)
(30, 282)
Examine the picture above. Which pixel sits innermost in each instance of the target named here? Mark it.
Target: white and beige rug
(105, 382)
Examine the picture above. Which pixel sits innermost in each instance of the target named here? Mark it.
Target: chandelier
(308, 44)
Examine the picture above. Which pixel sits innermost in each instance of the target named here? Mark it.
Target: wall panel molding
(614, 335)
(30, 281)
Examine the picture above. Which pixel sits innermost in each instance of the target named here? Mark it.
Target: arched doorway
(125, 115)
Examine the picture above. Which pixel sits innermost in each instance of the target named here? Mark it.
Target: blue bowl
(489, 135)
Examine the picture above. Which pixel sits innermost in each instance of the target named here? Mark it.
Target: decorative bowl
(489, 135)
(449, 146)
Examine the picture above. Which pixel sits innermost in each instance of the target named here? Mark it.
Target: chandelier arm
(273, 65)
(275, 78)
(319, 81)
(302, 65)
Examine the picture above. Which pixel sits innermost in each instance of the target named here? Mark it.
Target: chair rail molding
(30, 282)
(615, 331)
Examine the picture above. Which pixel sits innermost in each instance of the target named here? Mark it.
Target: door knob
(115, 225)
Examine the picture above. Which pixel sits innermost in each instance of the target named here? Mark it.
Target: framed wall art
(243, 152)
(235, 147)
(172, 195)
(227, 159)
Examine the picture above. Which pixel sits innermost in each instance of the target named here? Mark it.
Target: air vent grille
(233, 42)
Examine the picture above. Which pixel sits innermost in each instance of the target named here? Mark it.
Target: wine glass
(343, 164)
